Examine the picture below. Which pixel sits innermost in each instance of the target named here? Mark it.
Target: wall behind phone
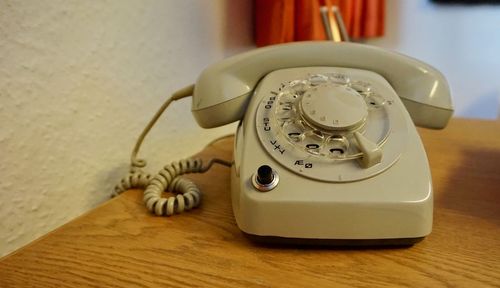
(78, 82)
(462, 41)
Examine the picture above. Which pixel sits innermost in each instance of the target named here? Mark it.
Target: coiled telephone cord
(188, 195)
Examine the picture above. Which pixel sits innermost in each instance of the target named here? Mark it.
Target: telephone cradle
(326, 150)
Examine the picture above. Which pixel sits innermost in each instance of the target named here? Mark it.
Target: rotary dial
(332, 123)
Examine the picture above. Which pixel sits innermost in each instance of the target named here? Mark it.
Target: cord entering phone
(188, 195)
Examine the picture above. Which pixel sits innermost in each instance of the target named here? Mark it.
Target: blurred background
(80, 79)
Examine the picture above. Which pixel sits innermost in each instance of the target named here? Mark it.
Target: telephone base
(382, 198)
(276, 240)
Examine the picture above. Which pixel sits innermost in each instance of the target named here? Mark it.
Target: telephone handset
(326, 150)
(222, 89)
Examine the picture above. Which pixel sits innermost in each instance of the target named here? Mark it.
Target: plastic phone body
(327, 150)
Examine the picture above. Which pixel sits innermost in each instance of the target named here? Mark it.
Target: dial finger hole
(375, 100)
(338, 78)
(294, 131)
(298, 88)
(337, 146)
(313, 141)
(317, 79)
(286, 105)
(361, 86)
(286, 114)
(288, 95)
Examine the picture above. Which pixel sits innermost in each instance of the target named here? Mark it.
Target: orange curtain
(279, 21)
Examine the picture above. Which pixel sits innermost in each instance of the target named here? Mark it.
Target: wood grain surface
(119, 244)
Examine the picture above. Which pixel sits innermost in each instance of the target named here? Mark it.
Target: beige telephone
(326, 150)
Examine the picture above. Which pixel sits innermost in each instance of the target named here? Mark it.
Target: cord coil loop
(136, 178)
(138, 163)
(188, 194)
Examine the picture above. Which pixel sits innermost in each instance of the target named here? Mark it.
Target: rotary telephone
(326, 150)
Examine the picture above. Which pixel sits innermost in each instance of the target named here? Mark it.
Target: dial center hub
(334, 107)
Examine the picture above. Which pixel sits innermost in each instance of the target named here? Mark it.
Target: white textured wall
(78, 82)
(462, 41)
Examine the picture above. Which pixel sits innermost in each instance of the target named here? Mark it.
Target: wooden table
(120, 244)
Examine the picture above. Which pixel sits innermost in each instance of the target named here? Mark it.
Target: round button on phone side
(265, 179)
(265, 175)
